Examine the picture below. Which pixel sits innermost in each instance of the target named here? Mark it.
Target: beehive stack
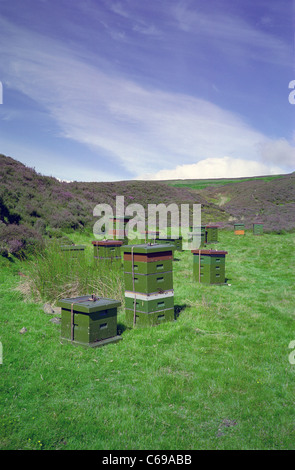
(198, 236)
(89, 321)
(107, 251)
(119, 231)
(175, 242)
(148, 273)
(73, 251)
(209, 266)
(211, 234)
(149, 236)
(239, 229)
(257, 229)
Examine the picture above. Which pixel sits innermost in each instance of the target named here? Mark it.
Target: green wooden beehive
(146, 278)
(257, 229)
(175, 242)
(239, 226)
(144, 320)
(148, 274)
(148, 236)
(119, 231)
(89, 321)
(149, 310)
(107, 250)
(211, 234)
(73, 251)
(198, 238)
(209, 266)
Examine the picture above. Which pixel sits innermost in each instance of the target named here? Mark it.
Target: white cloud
(233, 34)
(225, 167)
(278, 151)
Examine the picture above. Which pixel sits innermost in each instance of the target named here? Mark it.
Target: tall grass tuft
(55, 274)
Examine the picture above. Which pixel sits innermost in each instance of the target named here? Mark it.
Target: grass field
(219, 377)
(204, 183)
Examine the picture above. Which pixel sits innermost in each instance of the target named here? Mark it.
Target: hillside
(33, 205)
(270, 201)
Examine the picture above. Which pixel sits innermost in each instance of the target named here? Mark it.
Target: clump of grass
(56, 274)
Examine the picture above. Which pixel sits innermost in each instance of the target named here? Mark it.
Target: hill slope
(49, 206)
(270, 201)
(45, 205)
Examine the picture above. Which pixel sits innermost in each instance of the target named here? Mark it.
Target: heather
(48, 208)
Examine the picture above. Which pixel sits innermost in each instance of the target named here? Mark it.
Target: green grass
(204, 183)
(217, 378)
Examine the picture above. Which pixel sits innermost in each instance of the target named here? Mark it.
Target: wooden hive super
(108, 251)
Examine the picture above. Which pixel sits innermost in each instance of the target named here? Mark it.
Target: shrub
(19, 240)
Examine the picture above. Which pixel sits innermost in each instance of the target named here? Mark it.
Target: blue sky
(103, 90)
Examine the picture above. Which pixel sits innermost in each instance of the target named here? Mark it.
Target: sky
(110, 90)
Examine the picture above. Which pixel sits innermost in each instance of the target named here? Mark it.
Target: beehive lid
(107, 243)
(209, 252)
(148, 248)
(72, 247)
(84, 304)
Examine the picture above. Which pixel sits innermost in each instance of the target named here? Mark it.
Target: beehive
(107, 250)
(239, 229)
(175, 242)
(211, 234)
(257, 229)
(209, 266)
(73, 251)
(148, 274)
(89, 321)
(149, 236)
(198, 237)
(119, 231)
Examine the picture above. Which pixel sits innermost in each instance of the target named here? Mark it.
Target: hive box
(211, 234)
(175, 242)
(209, 266)
(73, 251)
(149, 236)
(257, 229)
(148, 274)
(107, 250)
(239, 229)
(88, 321)
(144, 277)
(198, 237)
(119, 228)
(149, 310)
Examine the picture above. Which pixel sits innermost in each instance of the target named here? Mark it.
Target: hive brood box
(175, 242)
(107, 250)
(257, 229)
(211, 234)
(89, 321)
(239, 229)
(209, 266)
(148, 275)
(73, 251)
(119, 231)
